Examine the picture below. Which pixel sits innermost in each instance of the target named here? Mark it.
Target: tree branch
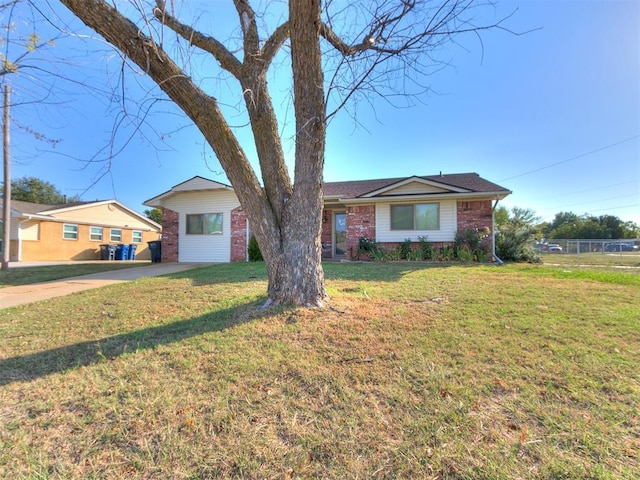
(209, 44)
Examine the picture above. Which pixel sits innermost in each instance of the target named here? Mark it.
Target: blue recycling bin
(132, 251)
(122, 252)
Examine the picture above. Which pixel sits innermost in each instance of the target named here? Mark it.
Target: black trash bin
(107, 252)
(156, 250)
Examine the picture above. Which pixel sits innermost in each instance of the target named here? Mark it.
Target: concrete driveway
(23, 294)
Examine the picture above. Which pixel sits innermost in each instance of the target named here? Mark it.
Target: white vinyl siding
(70, 232)
(446, 232)
(204, 248)
(95, 234)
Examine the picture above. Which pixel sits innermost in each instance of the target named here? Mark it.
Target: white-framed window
(419, 216)
(116, 235)
(204, 224)
(95, 234)
(136, 236)
(69, 231)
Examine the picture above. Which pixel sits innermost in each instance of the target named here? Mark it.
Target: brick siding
(238, 235)
(169, 245)
(475, 214)
(327, 233)
(361, 222)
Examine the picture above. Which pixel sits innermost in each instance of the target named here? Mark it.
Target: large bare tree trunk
(297, 276)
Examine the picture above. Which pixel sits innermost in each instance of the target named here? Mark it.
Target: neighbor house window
(420, 216)
(204, 224)
(95, 234)
(116, 235)
(70, 232)
(136, 236)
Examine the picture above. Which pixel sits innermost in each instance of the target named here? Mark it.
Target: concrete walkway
(23, 294)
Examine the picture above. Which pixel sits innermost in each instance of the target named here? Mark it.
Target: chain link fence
(576, 246)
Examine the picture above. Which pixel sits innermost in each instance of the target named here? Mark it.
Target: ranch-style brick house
(202, 220)
(76, 231)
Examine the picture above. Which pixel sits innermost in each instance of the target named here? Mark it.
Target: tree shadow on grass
(357, 271)
(40, 364)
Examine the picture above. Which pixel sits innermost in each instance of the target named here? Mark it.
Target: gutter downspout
(493, 233)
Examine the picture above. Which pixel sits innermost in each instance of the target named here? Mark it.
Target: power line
(572, 158)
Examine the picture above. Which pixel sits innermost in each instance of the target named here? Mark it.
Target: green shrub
(255, 255)
(465, 254)
(367, 246)
(415, 255)
(404, 248)
(447, 253)
(426, 248)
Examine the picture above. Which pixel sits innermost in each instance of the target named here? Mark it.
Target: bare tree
(362, 47)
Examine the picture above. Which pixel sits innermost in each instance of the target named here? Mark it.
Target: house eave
(499, 195)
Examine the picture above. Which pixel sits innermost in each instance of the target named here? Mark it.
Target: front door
(339, 234)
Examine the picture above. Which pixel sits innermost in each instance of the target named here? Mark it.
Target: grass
(414, 371)
(36, 274)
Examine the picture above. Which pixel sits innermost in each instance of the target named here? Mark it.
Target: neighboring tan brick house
(204, 222)
(76, 231)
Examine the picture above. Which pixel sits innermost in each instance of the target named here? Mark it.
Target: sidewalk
(23, 294)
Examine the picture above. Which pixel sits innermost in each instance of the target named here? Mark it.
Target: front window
(116, 235)
(420, 216)
(70, 232)
(204, 224)
(95, 234)
(136, 236)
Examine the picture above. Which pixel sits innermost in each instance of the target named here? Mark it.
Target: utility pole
(6, 196)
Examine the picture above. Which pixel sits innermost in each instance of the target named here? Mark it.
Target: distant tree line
(569, 225)
(35, 190)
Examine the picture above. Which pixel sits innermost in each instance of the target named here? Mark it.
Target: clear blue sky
(553, 115)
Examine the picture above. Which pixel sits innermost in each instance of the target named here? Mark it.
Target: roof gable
(414, 186)
(193, 184)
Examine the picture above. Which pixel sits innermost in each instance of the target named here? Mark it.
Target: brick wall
(327, 233)
(361, 222)
(238, 235)
(170, 225)
(475, 214)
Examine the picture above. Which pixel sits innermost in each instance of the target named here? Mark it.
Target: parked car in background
(554, 247)
(621, 247)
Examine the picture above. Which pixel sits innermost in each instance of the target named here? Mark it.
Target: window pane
(194, 225)
(401, 217)
(137, 236)
(70, 232)
(116, 235)
(213, 223)
(96, 233)
(427, 216)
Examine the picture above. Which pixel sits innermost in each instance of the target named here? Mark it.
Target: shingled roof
(30, 208)
(472, 182)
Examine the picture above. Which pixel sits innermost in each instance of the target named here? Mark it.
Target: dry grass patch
(413, 372)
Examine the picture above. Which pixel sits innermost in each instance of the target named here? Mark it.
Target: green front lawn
(413, 371)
